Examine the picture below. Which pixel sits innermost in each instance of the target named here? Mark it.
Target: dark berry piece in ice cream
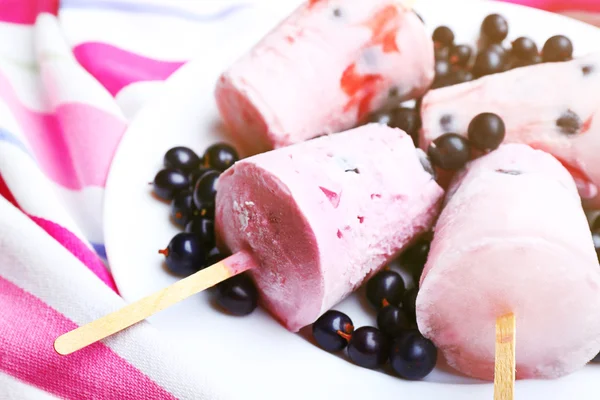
(513, 172)
(446, 122)
(587, 69)
(569, 123)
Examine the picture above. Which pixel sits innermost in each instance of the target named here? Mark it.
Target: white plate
(255, 356)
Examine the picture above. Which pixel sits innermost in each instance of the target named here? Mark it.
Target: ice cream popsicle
(512, 238)
(310, 222)
(323, 69)
(322, 216)
(551, 107)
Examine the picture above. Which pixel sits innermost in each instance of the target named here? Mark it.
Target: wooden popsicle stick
(144, 308)
(504, 371)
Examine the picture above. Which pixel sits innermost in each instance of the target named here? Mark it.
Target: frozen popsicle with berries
(320, 217)
(323, 69)
(310, 223)
(552, 107)
(512, 238)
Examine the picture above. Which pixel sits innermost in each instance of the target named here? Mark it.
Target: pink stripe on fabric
(6, 193)
(28, 328)
(78, 249)
(560, 5)
(25, 11)
(116, 68)
(68, 240)
(74, 147)
(93, 136)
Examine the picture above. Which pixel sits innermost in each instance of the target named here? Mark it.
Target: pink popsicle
(321, 216)
(551, 107)
(322, 70)
(512, 238)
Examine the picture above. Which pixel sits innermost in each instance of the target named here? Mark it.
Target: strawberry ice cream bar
(321, 216)
(323, 69)
(551, 107)
(512, 238)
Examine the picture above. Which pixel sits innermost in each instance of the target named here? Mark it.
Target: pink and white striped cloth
(72, 74)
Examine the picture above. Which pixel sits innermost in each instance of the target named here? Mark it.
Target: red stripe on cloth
(25, 11)
(78, 249)
(116, 68)
(28, 328)
(5, 192)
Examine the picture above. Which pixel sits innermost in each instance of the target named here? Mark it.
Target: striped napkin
(72, 75)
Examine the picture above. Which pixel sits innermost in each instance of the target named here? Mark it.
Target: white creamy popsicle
(512, 238)
(323, 69)
(320, 217)
(551, 107)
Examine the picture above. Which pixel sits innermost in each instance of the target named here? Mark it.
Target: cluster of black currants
(189, 183)
(459, 63)
(396, 338)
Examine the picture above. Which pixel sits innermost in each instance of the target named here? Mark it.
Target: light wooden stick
(144, 308)
(504, 372)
